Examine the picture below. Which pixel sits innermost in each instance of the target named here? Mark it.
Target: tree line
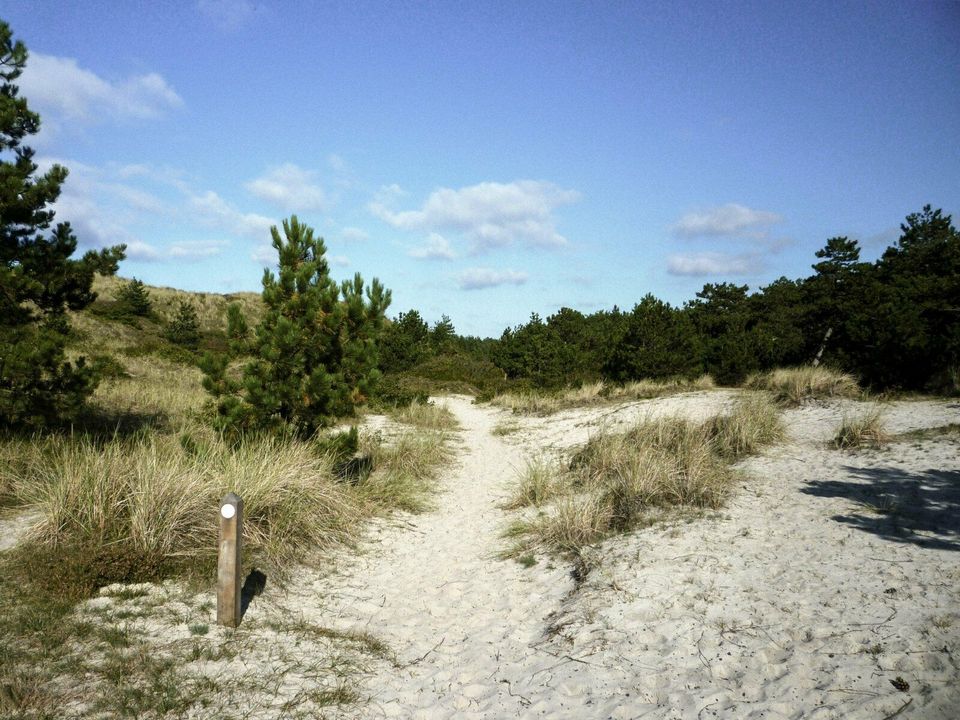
(895, 323)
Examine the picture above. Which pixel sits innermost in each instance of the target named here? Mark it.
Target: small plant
(753, 423)
(528, 560)
(864, 430)
(428, 416)
(198, 628)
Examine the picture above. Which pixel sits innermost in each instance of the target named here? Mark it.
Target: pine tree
(38, 280)
(184, 328)
(315, 351)
(134, 299)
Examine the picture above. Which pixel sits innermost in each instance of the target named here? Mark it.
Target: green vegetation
(545, 402)
(620, 481)
(133, 299)
(314, 353)
(39, 387)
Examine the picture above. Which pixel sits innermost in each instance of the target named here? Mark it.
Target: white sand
(795, 602)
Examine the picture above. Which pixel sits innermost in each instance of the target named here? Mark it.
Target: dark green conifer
(315, 351)
(38, 280)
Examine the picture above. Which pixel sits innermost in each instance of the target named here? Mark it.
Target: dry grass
(404, 472)
(211, 307)
(537, 484)
(547, 403)
(865, 429)
(753, 423)
(791, 386)
(620, 481)
(427, 416)
(646, 389)
(149, 499)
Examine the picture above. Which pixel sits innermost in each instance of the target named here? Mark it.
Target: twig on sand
(523, 698)
(424, 656)
(899, 710)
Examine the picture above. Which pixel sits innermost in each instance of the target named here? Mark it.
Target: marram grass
(619, 481)
(791, 386)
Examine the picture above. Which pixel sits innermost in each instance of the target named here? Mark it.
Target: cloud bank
(481, 278)
(436, 247)
(289, 187)
(59, 85)
(490, 214)
(711, 263)
(731, 220)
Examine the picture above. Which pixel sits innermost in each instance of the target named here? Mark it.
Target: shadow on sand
(922, 508)
(254, 585)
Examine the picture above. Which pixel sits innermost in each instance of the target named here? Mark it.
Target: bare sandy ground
(829, 577)
(796, 601)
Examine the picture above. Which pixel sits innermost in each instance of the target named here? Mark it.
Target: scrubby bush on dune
(791, 386)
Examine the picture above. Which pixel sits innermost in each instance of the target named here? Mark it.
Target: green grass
(131, 496)
(427, 416)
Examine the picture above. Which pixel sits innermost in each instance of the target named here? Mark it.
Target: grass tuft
(864, 430)
(546, 403)
(427, 416)
(537, 485)
(753, 423)
(791, 386)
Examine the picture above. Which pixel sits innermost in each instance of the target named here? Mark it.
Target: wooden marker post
(228, 565)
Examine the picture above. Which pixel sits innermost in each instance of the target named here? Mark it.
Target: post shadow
(254, 585)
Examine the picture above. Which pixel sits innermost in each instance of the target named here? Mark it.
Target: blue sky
(488, 160)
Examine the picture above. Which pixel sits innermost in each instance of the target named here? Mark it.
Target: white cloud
(490, 214)
(143, 252)
(338, 260)
(195, 249)
(353, 234)
(217, 212)
(730, 220)
(228, 15)
(480, 278)
(59, 85)
(710, 263)
(436, 247)
(289, 187)
(337, 163)
(265, 254)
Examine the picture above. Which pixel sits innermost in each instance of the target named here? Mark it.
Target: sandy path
(466, 626)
